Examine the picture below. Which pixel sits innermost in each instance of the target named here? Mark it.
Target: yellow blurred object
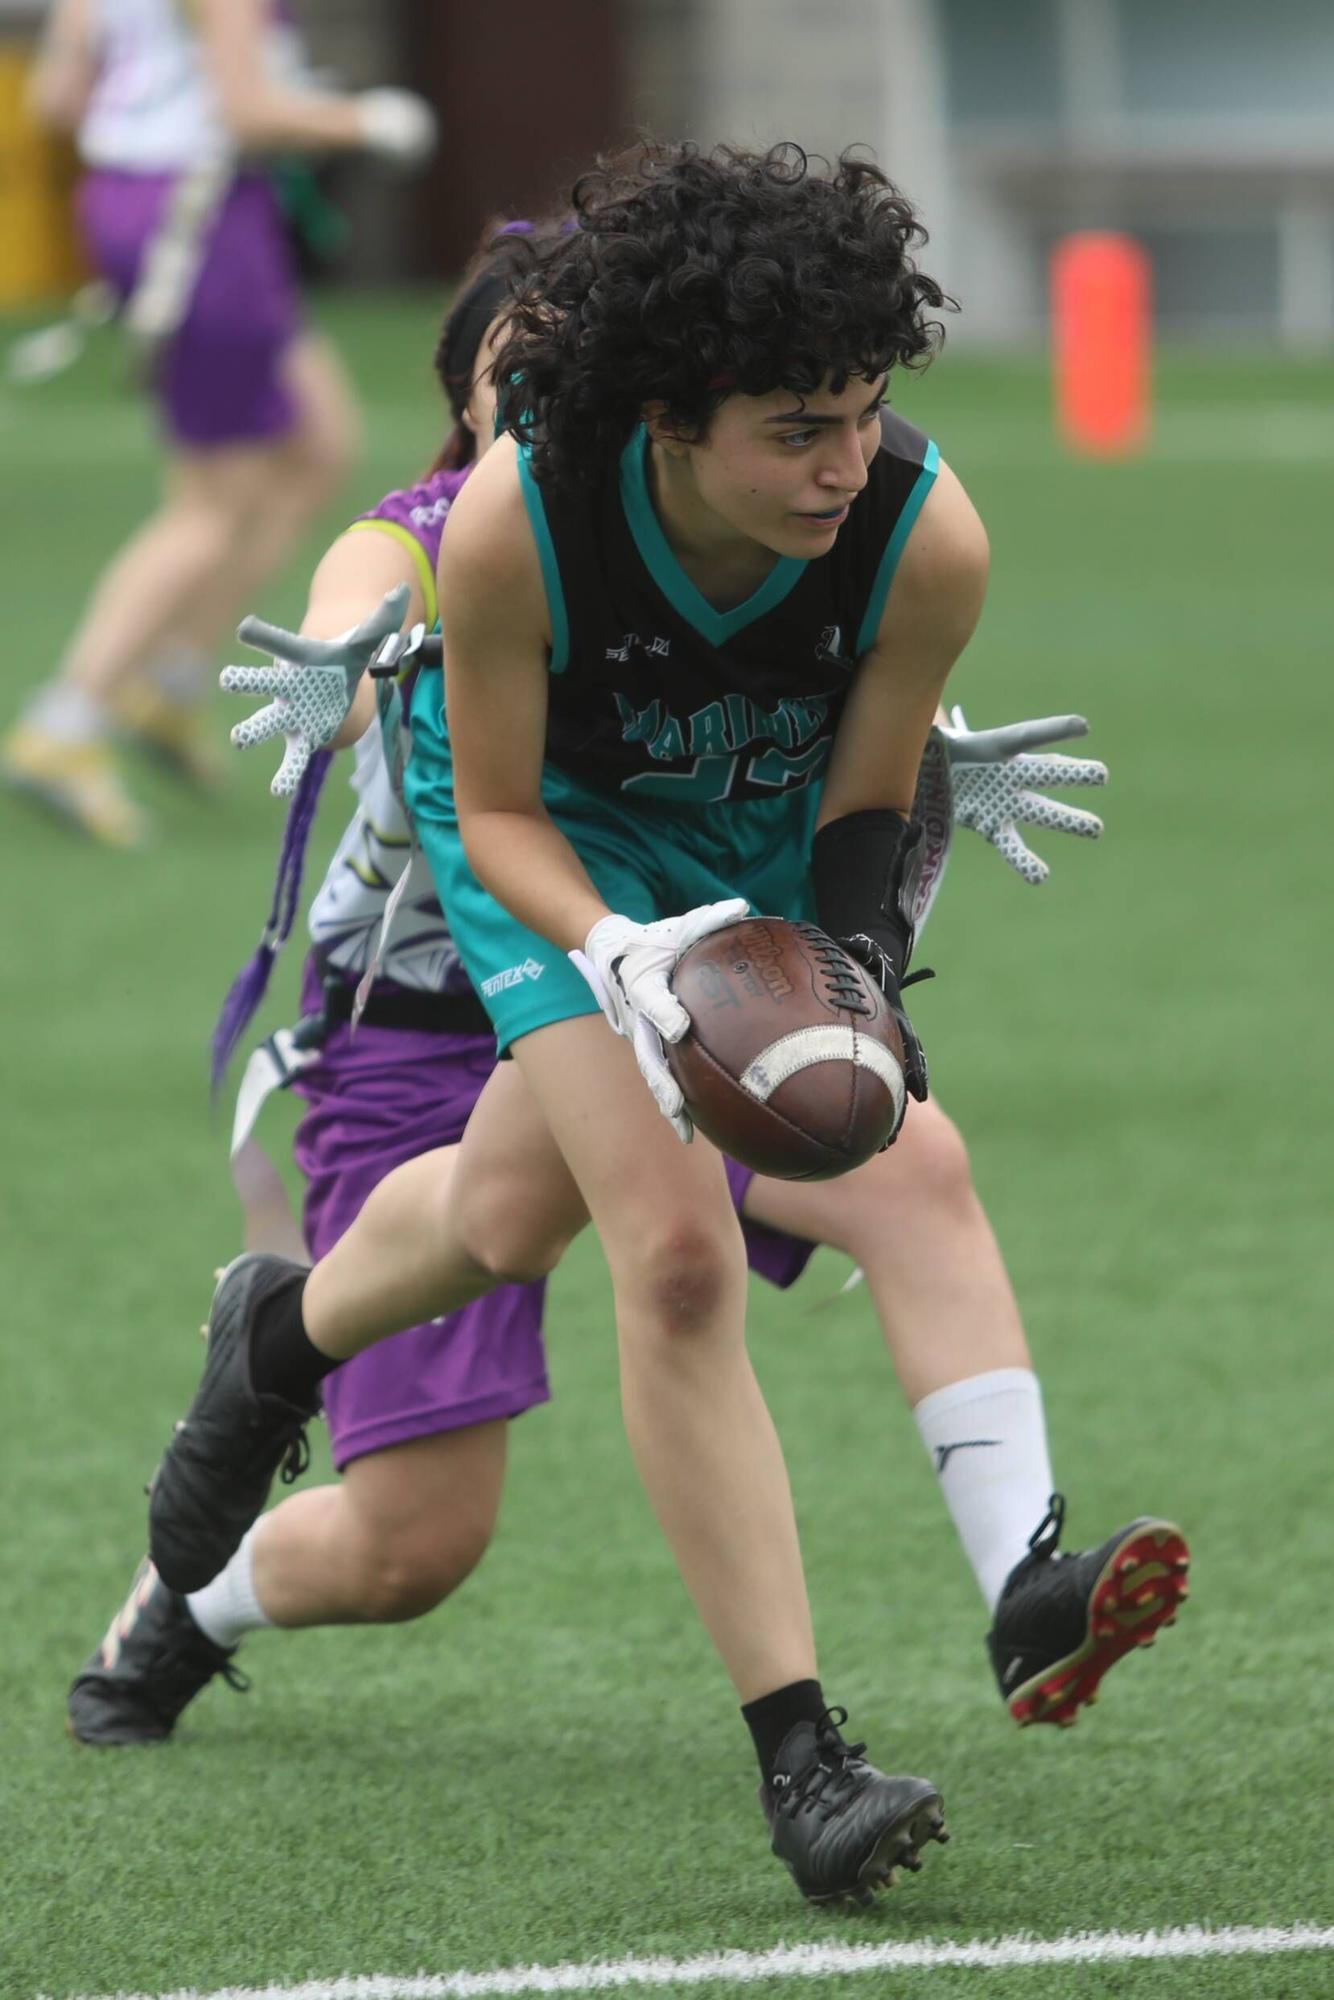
(40, 256)
(174, 733)
(79, 781)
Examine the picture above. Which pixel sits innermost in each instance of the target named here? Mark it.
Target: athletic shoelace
(834, 1780)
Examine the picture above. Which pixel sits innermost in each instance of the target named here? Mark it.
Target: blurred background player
(176, 106)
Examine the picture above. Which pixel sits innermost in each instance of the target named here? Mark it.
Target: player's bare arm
(868, 853)
(354, 576)
(929, 617)
(497, 636)
(65, 68)
(262, 114)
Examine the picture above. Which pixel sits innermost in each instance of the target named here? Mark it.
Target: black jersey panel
(663, 695)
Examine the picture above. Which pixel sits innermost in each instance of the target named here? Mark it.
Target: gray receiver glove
(311, 683)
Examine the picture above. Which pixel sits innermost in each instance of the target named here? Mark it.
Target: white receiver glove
(998, 784)
(399, 126)
(311, 683)
(628, 966)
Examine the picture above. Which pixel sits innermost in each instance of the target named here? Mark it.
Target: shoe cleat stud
(1149, 1594)
(1181, 1562)
(1171, 1619)
(1146, 1638)
(911, 1860)
(1126, 1564)
(1104, 1628)
(1183, 1592)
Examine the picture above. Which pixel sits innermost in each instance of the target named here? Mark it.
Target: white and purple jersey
(153, 107)
(348, 909)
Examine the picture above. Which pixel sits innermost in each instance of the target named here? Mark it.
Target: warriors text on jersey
(654, 693)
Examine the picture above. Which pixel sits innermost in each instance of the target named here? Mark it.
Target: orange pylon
(1101, 313)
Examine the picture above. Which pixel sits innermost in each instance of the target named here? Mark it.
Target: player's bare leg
(161, 705)
(912, 1219)
(397, 1535)
(406, 1258)
(709, 1456)
(703, 1438)
(228, 517)
(697, 1423)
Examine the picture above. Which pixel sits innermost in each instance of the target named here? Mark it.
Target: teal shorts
(655, 860)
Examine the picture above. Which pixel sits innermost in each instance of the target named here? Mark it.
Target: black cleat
(1064, 1620)
(216, 1473)
(840, 1826)
(152, 1663)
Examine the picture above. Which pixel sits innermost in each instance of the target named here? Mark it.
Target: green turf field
(550, 1769)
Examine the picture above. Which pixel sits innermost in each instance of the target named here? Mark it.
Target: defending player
(760, 376)
(175, 108)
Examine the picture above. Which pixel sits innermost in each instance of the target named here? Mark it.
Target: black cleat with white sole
(216, 1473)
(840, 1826)
(151, 1665)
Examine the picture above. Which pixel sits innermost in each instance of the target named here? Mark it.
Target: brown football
(794, 1063)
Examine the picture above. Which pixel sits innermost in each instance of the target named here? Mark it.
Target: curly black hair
(692, 275)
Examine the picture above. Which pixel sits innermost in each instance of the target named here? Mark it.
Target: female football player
(418, 1423)
(658, 636)
(175, 107)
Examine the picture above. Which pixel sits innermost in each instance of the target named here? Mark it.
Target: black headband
(465, 331)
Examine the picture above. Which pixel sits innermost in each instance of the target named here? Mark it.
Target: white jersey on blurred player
(153, 107)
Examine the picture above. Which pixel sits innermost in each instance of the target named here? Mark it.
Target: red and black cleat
(1064, 1620)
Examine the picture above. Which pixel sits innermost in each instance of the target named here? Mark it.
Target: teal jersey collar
(715, 626)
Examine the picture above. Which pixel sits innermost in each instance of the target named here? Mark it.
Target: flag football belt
(399, 1007)
(284, 1054)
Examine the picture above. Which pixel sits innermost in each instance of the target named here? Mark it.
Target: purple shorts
(377, 1099)
(220, 380)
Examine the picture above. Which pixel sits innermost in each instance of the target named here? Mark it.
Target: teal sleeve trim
(894, 547)
(546, 550)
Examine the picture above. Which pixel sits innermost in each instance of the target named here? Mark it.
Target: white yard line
(798, 1961)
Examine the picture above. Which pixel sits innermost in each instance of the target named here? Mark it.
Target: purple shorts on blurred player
(220, 380)
(377, 1099)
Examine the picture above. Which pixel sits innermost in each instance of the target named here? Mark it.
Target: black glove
(877, 962)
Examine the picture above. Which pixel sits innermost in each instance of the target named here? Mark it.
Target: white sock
(988, 1442)
(226, 1609)
(67, 713)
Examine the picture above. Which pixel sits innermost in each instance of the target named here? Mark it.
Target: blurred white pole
(914, 142)
(1306, 272)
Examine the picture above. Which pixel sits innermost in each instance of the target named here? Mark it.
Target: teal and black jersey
(654, 693)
